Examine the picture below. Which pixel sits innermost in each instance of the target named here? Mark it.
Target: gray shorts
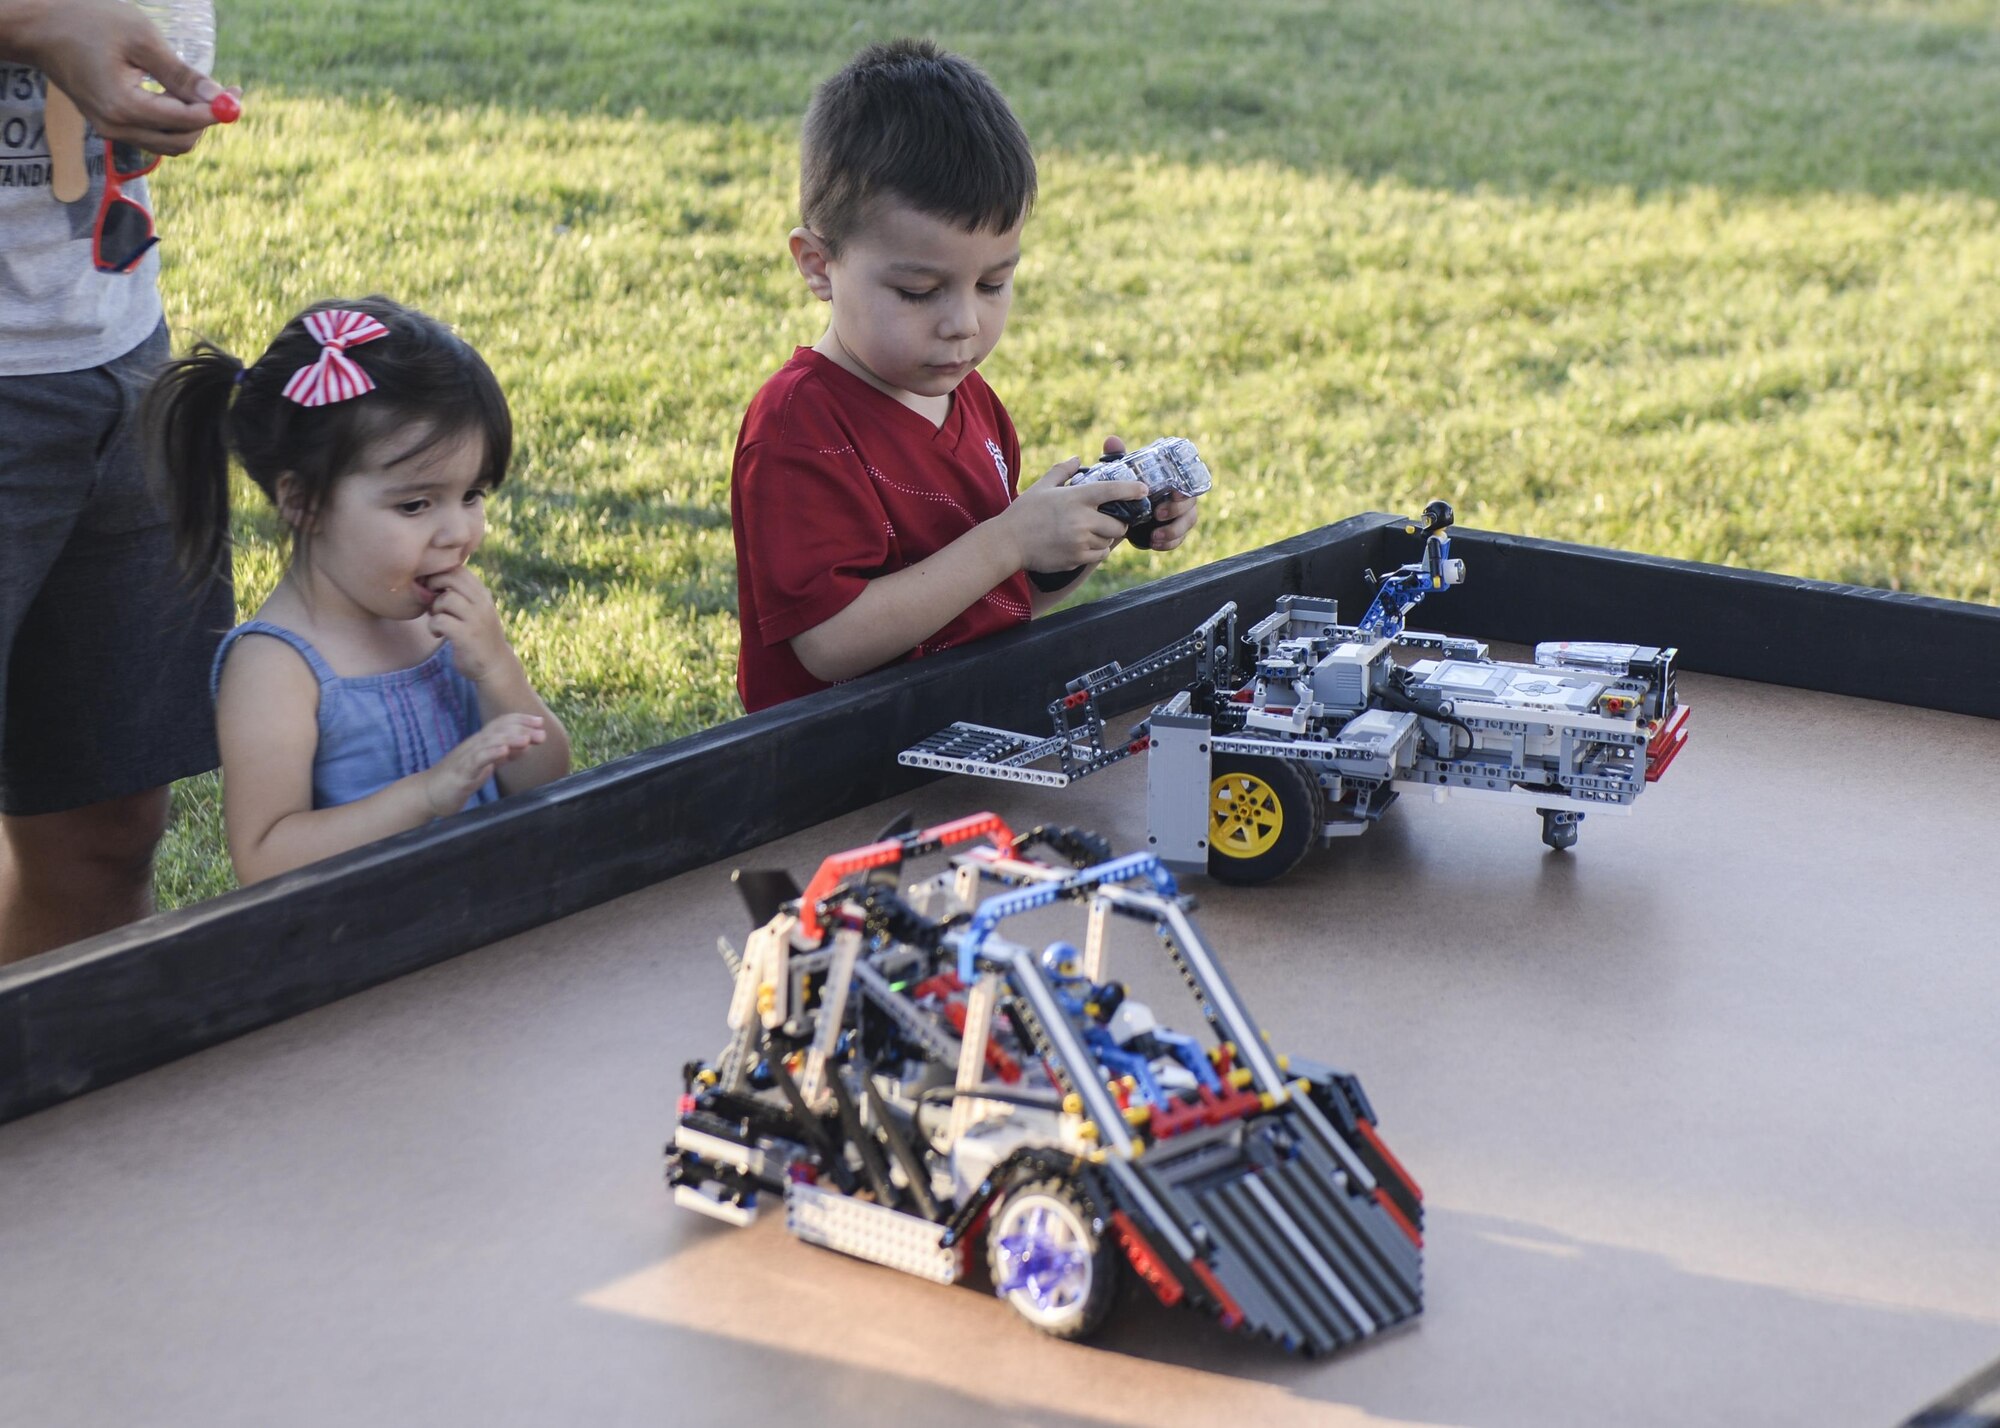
(104, 648)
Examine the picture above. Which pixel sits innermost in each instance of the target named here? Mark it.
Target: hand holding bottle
(99, 54)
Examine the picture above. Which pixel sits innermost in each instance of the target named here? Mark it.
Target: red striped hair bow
(335, 376)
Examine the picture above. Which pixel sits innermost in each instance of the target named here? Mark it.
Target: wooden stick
(67, 175)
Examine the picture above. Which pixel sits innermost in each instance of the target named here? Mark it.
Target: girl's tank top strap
(322, 671)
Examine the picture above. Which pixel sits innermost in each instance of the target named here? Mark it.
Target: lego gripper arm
(1404, 588)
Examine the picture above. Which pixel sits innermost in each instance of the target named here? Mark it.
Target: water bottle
(189, 26)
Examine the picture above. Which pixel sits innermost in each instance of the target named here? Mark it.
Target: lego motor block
(914, 1084)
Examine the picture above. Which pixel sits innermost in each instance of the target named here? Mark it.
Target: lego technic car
(911, 1084)
(1309, 729)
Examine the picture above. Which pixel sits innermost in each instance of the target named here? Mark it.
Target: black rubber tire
(1072, 1206)
(1296, 805)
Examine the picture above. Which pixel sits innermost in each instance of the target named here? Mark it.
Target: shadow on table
(1523, 1326)
(1526, 1326)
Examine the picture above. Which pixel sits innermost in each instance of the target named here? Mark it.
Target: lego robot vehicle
(1309, 729)
(910, 1083)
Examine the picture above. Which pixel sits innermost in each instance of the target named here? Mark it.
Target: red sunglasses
(124, 232)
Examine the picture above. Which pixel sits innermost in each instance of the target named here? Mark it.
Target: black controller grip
(1141, 532)
(1139, 520)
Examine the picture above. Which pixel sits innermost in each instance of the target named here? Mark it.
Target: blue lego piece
(1403, 589)
(1023, 899)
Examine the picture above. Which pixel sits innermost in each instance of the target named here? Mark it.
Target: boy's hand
(450, 781)
(1058, 526)
(1176, 514)
(463, 612)
(1176, 517)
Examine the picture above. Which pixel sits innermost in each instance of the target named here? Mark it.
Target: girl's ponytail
(185, 417)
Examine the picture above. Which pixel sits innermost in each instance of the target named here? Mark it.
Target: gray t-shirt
(57, 312)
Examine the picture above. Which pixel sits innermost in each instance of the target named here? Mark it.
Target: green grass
(1714, 280)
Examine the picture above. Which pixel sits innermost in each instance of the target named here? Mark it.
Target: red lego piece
(1004, 1066)
(894, 850)
(1402, 1220)
(1232, 1312)
(1367, 1129)
(1666, 744)
(1145, 1262)
(943, 986)
(1217, 1109)
(1171, 1120)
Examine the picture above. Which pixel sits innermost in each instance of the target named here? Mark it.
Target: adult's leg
(47, 467)
(104, 658)
(73, 874)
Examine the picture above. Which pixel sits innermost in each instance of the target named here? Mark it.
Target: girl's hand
(463, 612)
(463, 772)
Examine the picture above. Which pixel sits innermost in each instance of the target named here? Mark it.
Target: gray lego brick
(987, 753)
(1972, 1404)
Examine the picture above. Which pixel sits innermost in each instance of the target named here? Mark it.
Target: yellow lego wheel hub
(1244, 816)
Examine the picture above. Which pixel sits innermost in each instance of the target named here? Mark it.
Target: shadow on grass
(1778, 97)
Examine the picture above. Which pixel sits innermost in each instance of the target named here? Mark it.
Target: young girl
(375, 690)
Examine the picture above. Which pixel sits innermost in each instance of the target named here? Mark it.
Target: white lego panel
(715, 1149)
(872, 1232)
(763, 967)
(703, 1203)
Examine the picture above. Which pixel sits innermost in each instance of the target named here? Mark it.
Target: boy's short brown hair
(911, 121)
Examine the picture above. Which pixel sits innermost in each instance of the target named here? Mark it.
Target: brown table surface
(1707, 1110)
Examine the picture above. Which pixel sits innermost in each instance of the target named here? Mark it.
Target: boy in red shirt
(874, 492)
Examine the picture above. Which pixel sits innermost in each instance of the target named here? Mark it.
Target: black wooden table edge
(91, 1014)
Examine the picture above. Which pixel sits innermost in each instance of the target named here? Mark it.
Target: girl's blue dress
(377, 728)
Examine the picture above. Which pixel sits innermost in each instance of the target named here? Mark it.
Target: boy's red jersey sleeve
(812, 531)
